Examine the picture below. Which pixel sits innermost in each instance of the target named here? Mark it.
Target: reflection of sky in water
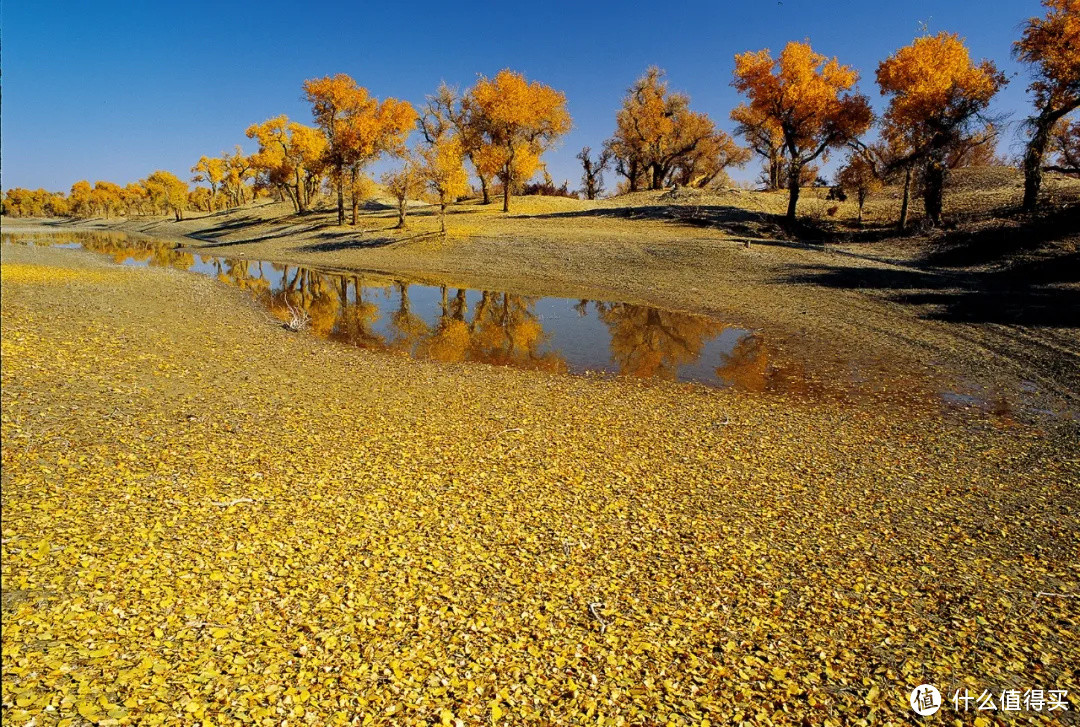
(575, 333)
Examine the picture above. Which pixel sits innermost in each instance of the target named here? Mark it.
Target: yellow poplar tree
(404, 184)
(659, 138)
(212, 171)
(291, 155)
(358, 128)
(860, 178)
(1051, 44)
(937, 93)
(168, 192)
(238, 169)
(809, 97)
(519, 118)
(765, 138)
(80, 199)
(107, 198)
(442, 160)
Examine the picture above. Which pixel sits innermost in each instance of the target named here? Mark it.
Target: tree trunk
(401, 214)
(442, 216)
(485, 189)
(794, 172)
(508, 181)
(934, 189)
(299, 193)
(633, 174)
(341, 198)
(906, 200)
(1033, 159)
(355, 203)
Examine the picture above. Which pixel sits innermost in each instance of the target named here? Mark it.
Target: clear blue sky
(107, 90)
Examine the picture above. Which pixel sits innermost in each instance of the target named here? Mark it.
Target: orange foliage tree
(404, 184)
(212, 171)
(291, 156)
(1065, 147)
(358, 129)
(1051, 44)
(107, 198)
(765, 138)
(809, 98)
(442, 159)
(486, 159)
(238, 169)
(517, 118)
(80, 199)
(167, 192)
(977, 150)
(19, 202)
(859, 177)
(937, 94)
(658, 139)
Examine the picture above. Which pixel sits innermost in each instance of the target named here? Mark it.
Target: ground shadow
(336, 242)
(1003, 236)
(735, 220)
(1029, 295)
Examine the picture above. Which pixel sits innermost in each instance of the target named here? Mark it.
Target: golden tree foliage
(200, 199)
(518, 117)
(936, 93)
(442, 166)
(809, 97)
(860, 178)
(167, 192)
(766, 139)
(403, 184)
(211, 170)
(80, 198)
(441, 157)
(291, 156)
(107, 198)
(659, 140)
(238, 169)
(357, 126)
(1065, 147)
(19, 202)
(136, 198)
(486, 159)
(1051, 44)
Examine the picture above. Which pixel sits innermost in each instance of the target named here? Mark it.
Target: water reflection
(457, 324)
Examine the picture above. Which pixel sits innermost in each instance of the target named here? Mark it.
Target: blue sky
(108, 90)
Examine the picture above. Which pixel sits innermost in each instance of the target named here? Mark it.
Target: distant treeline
(800, 107)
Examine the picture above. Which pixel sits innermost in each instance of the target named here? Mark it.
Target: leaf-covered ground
(210, 520)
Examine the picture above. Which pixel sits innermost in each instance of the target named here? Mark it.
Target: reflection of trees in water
(753, 366)
(449, 341)
(119, 246)
(649, 342)
(506, 332)
(356, 319)
(407, 327)
(501, 328)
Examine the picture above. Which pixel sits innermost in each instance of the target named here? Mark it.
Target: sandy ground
(209, 518)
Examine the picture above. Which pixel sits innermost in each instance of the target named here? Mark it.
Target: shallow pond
(458, 324)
